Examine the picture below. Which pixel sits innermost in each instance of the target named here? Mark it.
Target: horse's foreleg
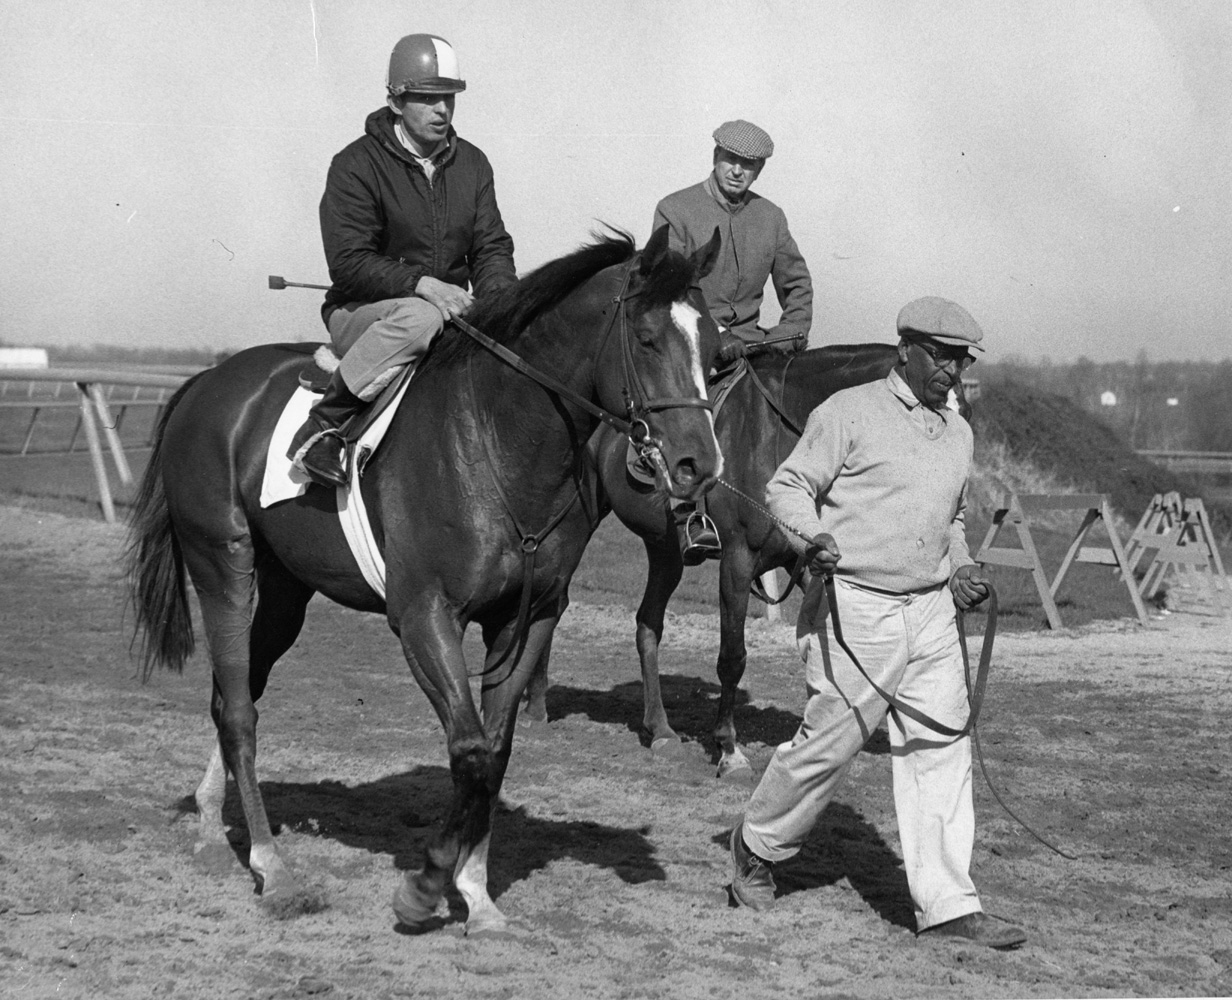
(502, 689)
(432, 642)
(664, 569)
(735, 578)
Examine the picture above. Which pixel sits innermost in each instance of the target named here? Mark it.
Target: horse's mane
(507, 313)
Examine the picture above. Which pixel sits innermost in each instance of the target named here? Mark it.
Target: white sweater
(887, 477)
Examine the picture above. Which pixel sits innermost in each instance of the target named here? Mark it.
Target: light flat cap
(744, 139)
(940, 319)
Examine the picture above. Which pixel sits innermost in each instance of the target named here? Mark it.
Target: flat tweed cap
(940, 319)
(744, 139)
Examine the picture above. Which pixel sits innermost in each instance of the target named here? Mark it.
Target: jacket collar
(380, 125)
(712, 189)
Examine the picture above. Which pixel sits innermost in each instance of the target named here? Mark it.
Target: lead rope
(820, 593)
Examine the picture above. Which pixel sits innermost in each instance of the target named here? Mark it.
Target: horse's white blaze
(685, 317)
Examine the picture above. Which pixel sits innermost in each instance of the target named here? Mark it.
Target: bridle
(638, 403)
(635, 425)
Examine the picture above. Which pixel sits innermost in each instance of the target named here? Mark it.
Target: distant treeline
(1170, 405)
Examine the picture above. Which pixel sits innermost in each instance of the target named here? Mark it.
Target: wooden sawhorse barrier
(1016, 513)
(1178, 531)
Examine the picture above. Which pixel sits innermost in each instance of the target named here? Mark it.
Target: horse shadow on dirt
(691, 704)
(395, 816)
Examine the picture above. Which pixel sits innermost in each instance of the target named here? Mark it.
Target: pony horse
(758, 423)
(473, 497)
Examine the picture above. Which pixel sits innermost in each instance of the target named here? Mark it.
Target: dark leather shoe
(322, 460)
(752, 882)
(699, 540)
(980, 928)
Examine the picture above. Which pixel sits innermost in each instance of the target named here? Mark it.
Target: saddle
(314, 377)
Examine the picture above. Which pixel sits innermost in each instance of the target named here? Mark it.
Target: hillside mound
(1063, 442)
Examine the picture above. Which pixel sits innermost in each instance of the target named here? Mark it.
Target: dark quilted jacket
(384, 226)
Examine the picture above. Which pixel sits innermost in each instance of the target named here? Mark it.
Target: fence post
(1095, 508)
(111, 430)
(96, 453)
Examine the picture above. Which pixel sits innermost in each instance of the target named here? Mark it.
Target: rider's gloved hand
(449, 299)
(731, 349)
(823, 554)
(969, 587)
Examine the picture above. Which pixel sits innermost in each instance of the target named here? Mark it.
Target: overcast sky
(1060, 168)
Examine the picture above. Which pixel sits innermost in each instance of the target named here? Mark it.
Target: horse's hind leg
(281, 603)
(535, 711)
(664, 569)
(735, 578)
(224, 575)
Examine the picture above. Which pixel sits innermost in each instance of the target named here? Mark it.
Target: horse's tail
(154, 566)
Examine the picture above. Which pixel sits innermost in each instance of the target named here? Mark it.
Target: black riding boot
(317, 447)
(699, 538)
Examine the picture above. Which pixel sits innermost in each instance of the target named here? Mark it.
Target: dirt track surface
(1111, 740)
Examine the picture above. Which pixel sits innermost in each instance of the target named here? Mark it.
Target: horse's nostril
(686, 472)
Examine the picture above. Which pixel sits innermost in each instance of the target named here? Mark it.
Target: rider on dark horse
(756, 245)
(409, 220)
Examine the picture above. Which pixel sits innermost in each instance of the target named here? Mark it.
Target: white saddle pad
(283, 482)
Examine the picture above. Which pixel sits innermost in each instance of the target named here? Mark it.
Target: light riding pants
(373, 337)
(908, 644)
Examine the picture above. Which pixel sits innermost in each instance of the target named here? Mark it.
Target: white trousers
(908, 644)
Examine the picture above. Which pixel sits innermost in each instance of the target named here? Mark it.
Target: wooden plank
(1034, 503)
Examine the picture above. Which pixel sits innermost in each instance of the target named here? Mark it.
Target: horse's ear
(654, 251)
(704, 258)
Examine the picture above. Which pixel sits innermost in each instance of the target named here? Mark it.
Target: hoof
(529, 719)
(735, 766)
(413, 905)
(214, 858)
(492, 925)
(667, 746)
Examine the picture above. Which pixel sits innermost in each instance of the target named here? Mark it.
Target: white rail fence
(101, 411)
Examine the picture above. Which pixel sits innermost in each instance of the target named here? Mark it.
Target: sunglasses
(942, 358)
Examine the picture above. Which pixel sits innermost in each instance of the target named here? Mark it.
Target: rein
(819, 593)
(634, 426)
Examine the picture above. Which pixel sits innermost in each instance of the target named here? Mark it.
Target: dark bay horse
(756, 431)
(474, 500)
